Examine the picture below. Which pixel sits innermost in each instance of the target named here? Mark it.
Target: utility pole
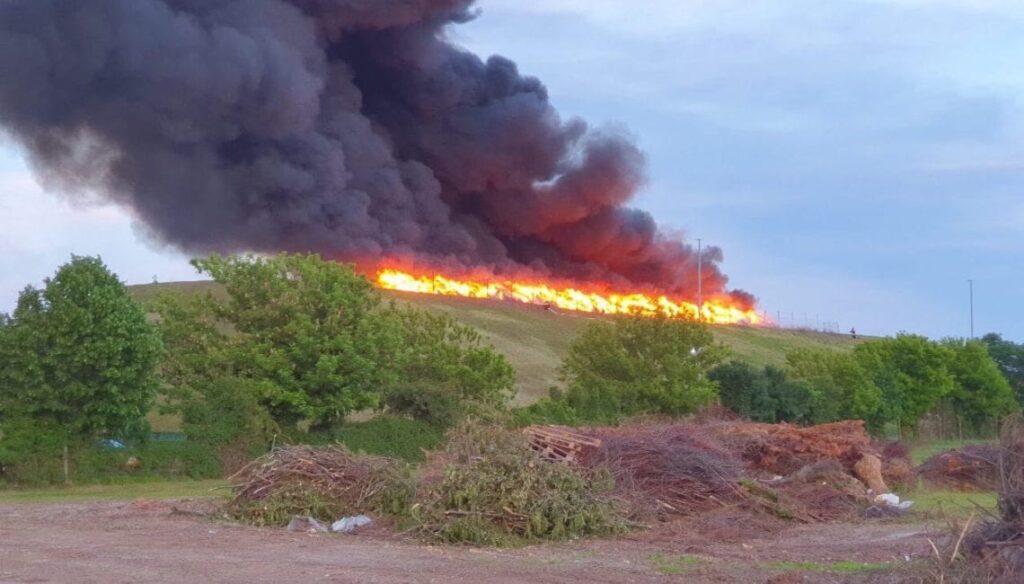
(971, 283)
(700, 279)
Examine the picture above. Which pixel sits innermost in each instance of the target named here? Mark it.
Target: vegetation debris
(320, 482)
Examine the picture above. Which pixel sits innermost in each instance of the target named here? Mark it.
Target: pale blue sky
(858, 161)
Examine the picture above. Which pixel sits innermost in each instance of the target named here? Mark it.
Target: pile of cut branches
(965, 469)
(662, 471)
(322, 482)
(784, 449)
(997, 546)
(489, 486)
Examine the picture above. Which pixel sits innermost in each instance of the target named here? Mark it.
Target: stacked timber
(560, 444)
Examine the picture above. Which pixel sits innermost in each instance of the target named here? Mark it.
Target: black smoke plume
(353, 128)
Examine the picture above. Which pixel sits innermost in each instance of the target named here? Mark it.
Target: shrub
(912, 373)
(495, 490)
(438, 406)
(840, 387)
(631, 366)
(447, 370)
(32, 456)
(982, 394)
(391, 436)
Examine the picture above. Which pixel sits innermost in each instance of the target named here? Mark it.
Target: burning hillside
(355, 129)
(722, 310)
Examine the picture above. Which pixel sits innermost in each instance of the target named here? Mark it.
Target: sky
(857, 160)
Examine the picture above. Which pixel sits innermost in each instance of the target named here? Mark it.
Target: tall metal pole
(700, 279)
(971, 283)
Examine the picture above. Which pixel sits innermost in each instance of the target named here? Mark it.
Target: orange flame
(718, 311)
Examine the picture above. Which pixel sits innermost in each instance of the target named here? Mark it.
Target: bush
(496, 490)
(841, 387)
(912, 374)
(553, 410)
(36, 459)
(447, 371)
(390, 436)
(438, 406)
(631, 366)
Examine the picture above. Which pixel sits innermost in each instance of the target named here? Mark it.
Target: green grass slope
(534, 339)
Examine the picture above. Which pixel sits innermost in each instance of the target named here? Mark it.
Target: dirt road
(143, 542)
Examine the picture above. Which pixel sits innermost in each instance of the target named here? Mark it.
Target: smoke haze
(351, 128)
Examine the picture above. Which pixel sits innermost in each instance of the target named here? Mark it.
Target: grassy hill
(534, 339)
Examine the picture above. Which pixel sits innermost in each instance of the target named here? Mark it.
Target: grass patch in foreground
(952, 503)
(673, 565)
(843, 567)
(115, 492)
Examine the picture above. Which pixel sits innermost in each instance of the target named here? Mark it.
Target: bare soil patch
(181, 541)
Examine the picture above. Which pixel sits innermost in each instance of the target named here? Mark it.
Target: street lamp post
(971, 285)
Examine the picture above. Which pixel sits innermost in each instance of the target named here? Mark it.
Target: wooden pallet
(559, 444)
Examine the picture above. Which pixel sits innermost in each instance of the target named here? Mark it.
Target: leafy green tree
(912, 372)
(313, 341)
(766, 395)
(982, 394)
(747, 390)
(447, 371)
(79, 355)
(302, 332)
(639, 365)
(1009, 356)
(841, 388)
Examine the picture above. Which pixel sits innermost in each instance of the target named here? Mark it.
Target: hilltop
(534, 339)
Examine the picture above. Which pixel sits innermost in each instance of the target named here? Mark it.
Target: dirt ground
(171, 541)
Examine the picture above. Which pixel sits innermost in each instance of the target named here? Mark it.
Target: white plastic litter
(306, 524)
(350, 524)
(891, 500)
(888, 499)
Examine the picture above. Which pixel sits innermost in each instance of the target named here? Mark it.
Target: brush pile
(674, 469)
(997, 547)
(491, 487)
(667, 470)
(783, 449)
(321, 482)
(971, 468)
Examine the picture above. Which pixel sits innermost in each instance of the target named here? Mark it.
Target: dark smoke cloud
(348, 127)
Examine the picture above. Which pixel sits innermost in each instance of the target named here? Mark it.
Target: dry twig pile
(324, 482)
(964, 469)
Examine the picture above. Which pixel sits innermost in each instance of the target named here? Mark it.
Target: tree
(1009, 356)
(841, 388)
(447, 371)
(79, 356)
(982, 394)
(766, 395)
(300, 331)
(639, 365)
(742, 389)
(313, 341)
(912, 373)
